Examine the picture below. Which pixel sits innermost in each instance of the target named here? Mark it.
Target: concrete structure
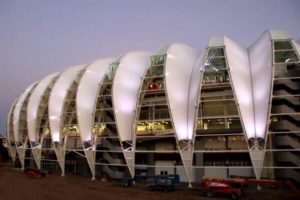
(228, 111)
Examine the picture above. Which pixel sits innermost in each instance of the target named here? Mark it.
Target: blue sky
(38, 37)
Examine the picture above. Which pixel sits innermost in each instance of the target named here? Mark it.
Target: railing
(51, 166)
(108, 157)
(227, 163)
(113, 173)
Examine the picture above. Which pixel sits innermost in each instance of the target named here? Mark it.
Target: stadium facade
(230, 111)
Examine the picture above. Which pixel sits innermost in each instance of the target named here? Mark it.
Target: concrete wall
(164, 166)
(224, 173)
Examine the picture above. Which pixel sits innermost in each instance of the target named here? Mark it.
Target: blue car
(162, 184)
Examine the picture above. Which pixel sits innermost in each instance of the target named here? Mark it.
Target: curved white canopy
(88, 88)
(238, 62)
(9, 115)
(18, 109)
(277, 34)
(34, 103)
(57, 99)
(297, 46)
(180, 61)
(260, 55)
(194, 92)
(127, 81)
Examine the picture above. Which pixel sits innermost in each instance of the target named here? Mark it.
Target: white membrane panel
(194, 92)
(57, 99)
(238, 62)
(127, 81)
(17, 111)
(87, 92)
(297, 46)
(33, 105)
(10, 113)
(260, 55)
(180, 61)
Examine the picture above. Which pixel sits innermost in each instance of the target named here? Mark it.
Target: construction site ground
(14, 185)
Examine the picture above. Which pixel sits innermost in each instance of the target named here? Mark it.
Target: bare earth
(14, 185)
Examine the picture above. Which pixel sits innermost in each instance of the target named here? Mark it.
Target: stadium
(228, 111)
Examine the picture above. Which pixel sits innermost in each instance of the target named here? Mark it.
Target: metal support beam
(90, 155)
(37, 154)
(257, 155)
(21, 152)
(60, 151)
(186, 154)
(12, 152)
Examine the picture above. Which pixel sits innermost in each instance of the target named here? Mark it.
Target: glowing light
(131, 67)
(53, 117)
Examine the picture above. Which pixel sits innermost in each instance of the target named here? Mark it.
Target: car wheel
(166, 189)
(234, 196)
(209, 193)
(150, 188)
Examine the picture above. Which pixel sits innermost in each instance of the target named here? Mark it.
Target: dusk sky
(38, 37)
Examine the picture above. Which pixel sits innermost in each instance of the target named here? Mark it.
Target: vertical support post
(21, 153)
(186, 153)
(129, 156)
(60, 154)
(12, 152)
(257, 157)
(37, 154)
(90, 157)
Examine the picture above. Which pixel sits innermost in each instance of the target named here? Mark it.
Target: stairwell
(289, 157)
(291, 140)
(113, 156)
(113, 172)
(285, 111)
(286, 123)
(285, 105)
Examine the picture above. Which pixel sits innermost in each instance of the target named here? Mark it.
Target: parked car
(162, 184)
(225, 187)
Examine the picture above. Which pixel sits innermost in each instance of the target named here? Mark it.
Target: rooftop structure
(228, 111)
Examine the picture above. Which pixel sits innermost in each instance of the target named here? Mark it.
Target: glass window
(215, 59)
(218, 97)
(215, 76)
(157, 127)
(219, 124)
(215, 64)
(219, 92)
(153, 84)
(216, 52)
(106, 89)
(156, 70)
(154, 112)
(162, 112)
(70, 130)
(286, 56)
(146, 113)
(218, 108)
(47, 131)
(287, 70)
(99, 129)
(111, 71)
(215, 143)
(154, 96)
(103, 103)
(158, 59)
(281, 45)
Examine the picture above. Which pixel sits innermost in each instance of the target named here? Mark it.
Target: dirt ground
(14, 185)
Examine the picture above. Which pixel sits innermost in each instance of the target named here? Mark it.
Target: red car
(230, 188)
